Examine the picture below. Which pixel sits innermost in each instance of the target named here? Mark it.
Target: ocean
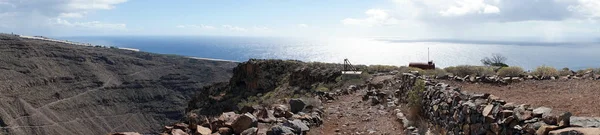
(368, 51)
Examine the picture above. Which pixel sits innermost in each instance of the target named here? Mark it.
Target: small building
(424, 66)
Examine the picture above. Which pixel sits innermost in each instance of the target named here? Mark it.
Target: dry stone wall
(459, 112)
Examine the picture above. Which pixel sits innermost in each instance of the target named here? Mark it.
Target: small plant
(545, 71)
(414, 95)
(565, 71)
(435, 72)
(510, 71)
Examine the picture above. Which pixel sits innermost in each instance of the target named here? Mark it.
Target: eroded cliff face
(55, 88)
(263, 80)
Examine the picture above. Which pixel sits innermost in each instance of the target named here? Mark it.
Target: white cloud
(58, 8)
(201, 26)
(464, 7)
(589, 9)
(72, 15)
(93, 25)
(303, 25)
(261, 28)
(234, 28)
(375, 17)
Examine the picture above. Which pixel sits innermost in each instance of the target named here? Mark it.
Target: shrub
(565, 71)
(381, 68)
(464, 70)
(595, 71)
(435, 72)
(414, 95)
(510, 71)
(545, 71)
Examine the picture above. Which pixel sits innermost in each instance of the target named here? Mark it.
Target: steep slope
(55, 88)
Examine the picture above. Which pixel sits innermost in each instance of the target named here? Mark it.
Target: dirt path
(349, 115)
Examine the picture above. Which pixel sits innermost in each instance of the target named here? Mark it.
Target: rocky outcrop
(57, 88)
(263, 79)
(250, 123)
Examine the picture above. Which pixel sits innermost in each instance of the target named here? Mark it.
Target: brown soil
(349, 115)
(580, 97)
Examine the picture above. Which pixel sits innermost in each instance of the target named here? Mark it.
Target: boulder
(540, 112)
(297, 105)
(576, 131)
(297, 125)
(265, 116)
(487, 110)
(250, 131)
(280, 130)
(200, 130)
(564, 119)
(545, 129)
(244, 122)
(228, 117)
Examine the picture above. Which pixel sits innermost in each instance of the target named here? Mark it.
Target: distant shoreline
(123, 48)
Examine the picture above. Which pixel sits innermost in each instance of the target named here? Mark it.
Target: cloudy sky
(543, 20)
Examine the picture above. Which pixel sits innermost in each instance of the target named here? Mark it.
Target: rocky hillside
(55, 88)
(265, 82)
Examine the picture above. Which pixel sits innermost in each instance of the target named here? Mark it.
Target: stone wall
(459, 112)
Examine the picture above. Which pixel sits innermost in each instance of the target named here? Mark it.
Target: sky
(538, 20)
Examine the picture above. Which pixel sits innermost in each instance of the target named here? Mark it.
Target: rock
(297, 105)
(225, 131)
(576, 131)
(585, 122)
(564, 119)
(126, 133)
(200, 130)
(487, 110)
(280, 130)
(540, 112)
(402, 118)
(228, 117)
(244, 122)
(249, 109)
(250, 131)
(550, 120)
(265, 116)
(297, 125)
(178, 132)
(506, 113)
(509, 106)
(545, 129)
(527, 115)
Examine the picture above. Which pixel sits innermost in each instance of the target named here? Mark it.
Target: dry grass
(464, 70)
(545, 71)
(510, 71)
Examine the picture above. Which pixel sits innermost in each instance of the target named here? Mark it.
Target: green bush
(414, 95)
(381, 68)
(510, 71)
(545, 71)
(464, 70)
